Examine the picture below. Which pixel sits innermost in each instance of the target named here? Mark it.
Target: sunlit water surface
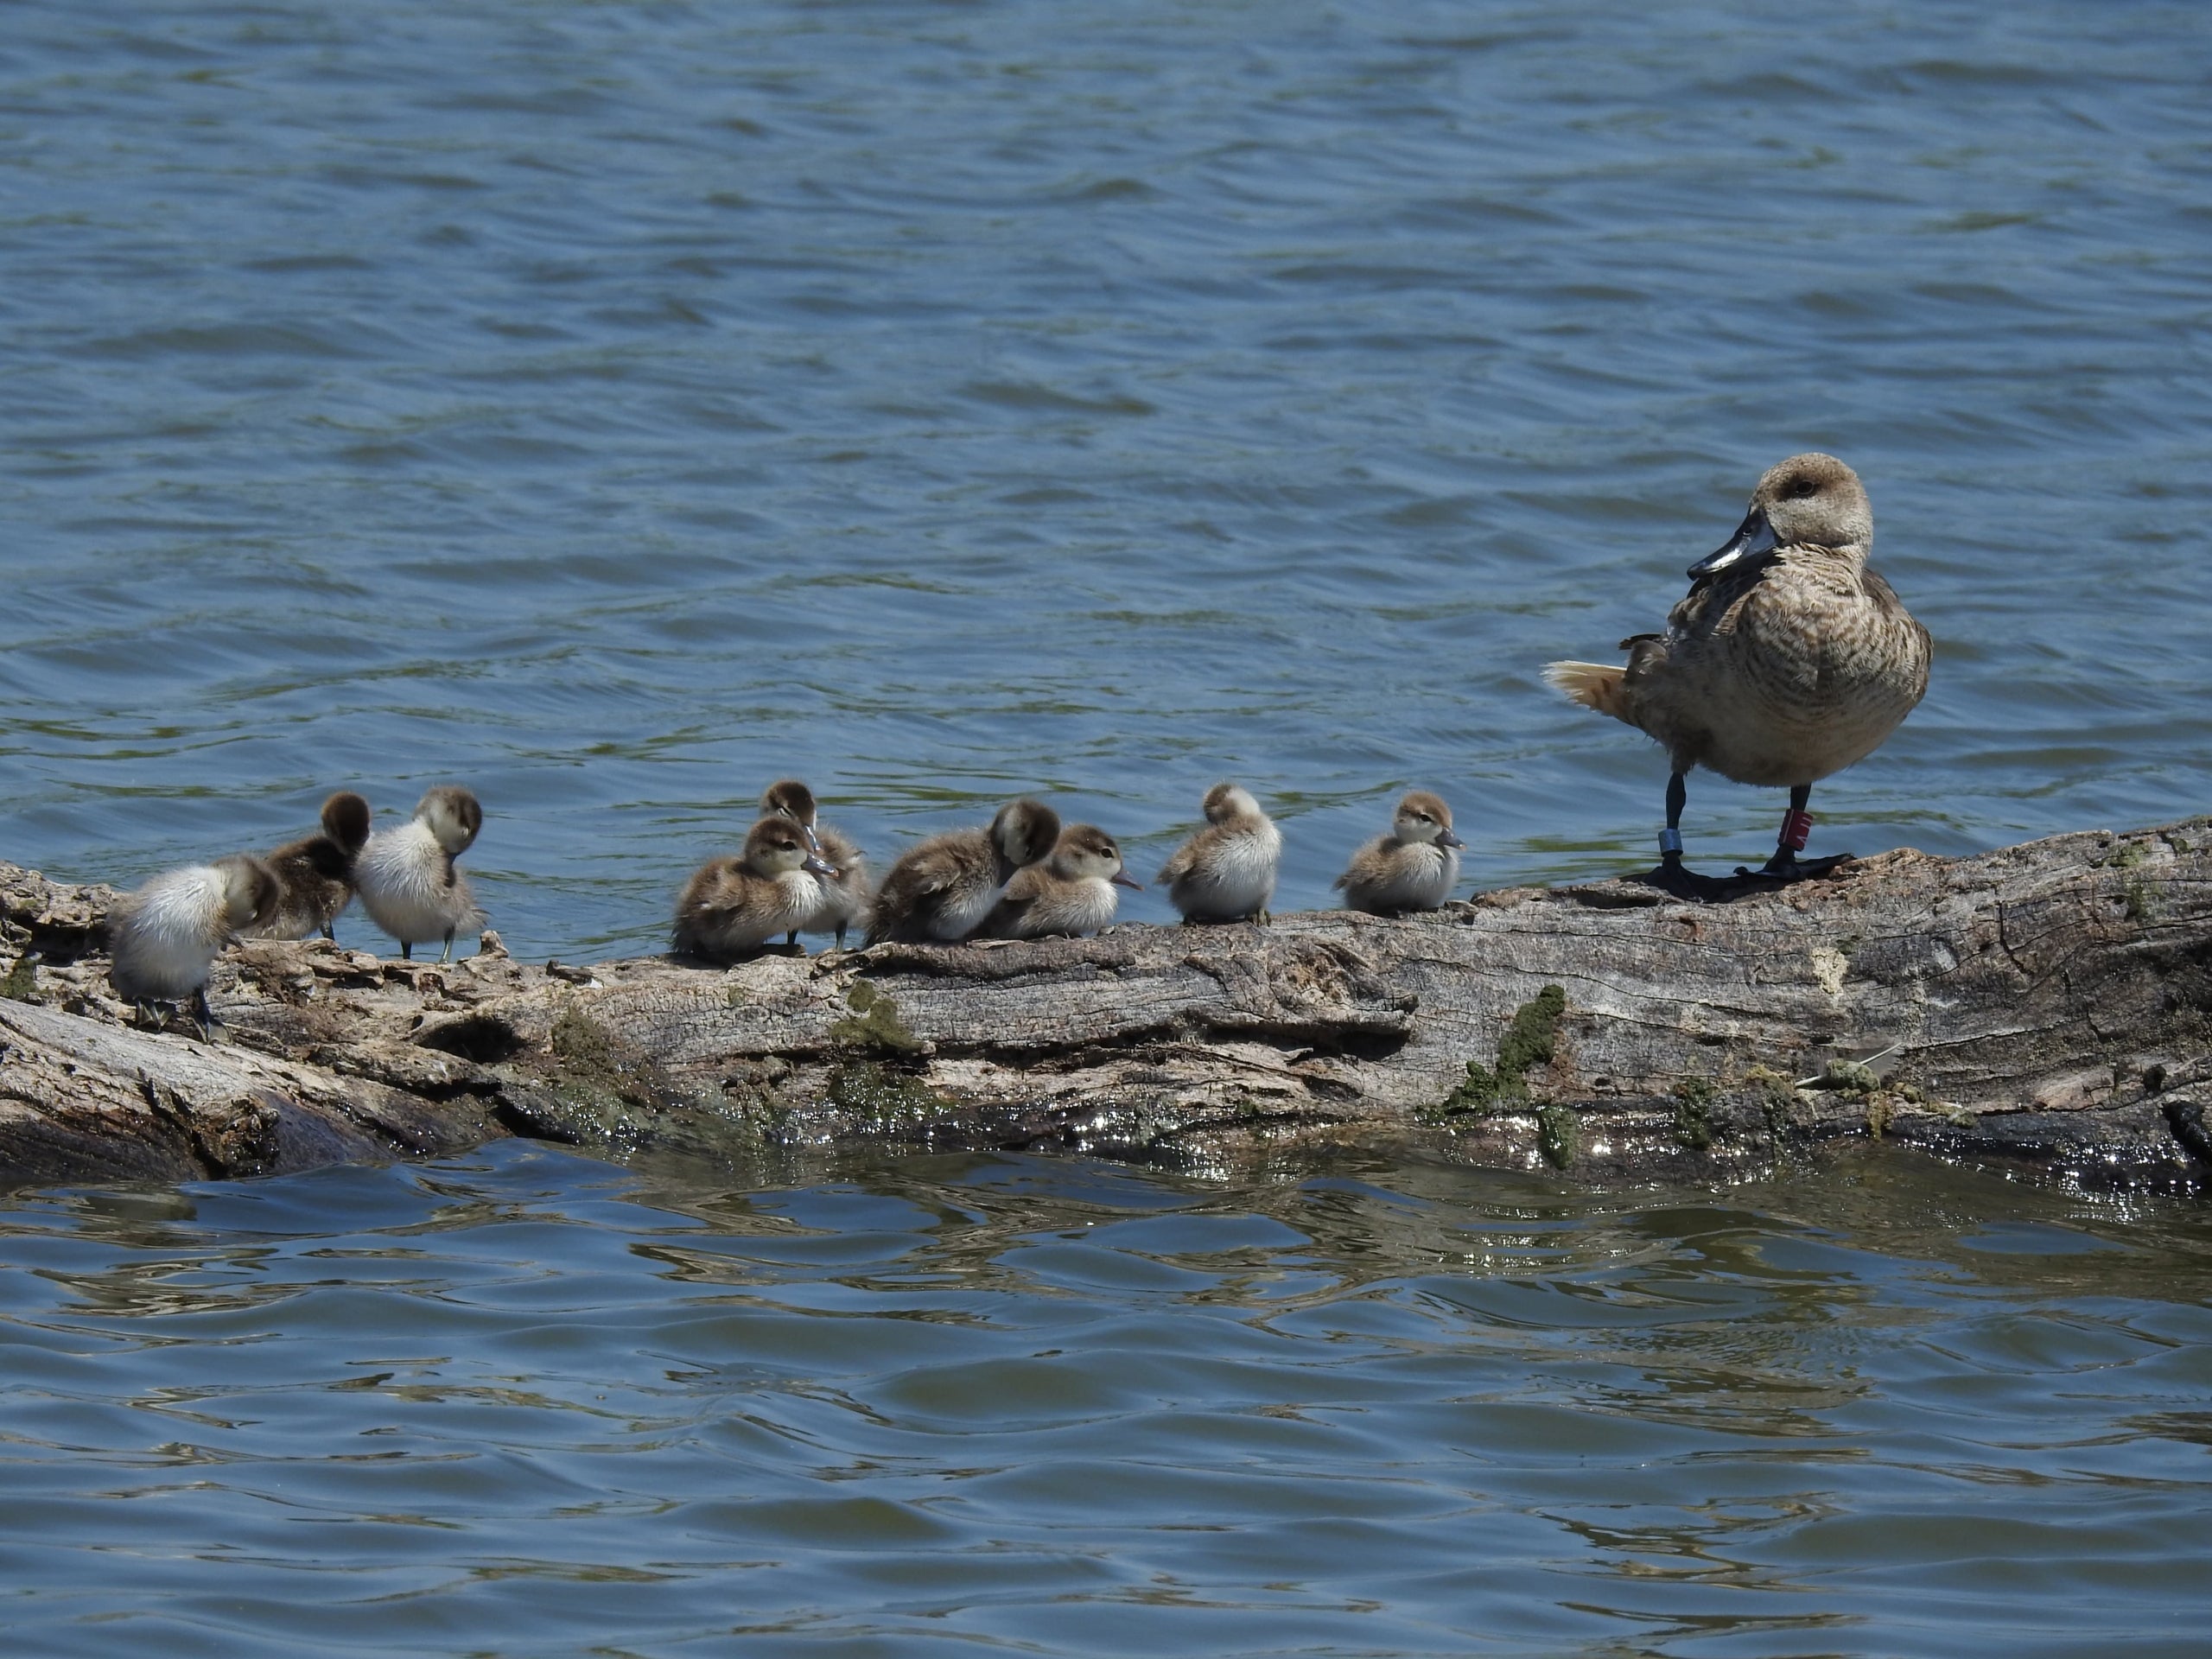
(616, 406)
(524, 1404)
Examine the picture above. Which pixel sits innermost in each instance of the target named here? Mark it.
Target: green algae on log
(2046, 1007)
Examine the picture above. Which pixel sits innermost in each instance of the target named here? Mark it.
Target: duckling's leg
(330, 932)
(202, 1015)
(445, 954)
(841, 936)
(407, 950)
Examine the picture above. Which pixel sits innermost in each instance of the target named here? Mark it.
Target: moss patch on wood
(881, 1099)
(874, 1023)
(1530, 1039)
(1693, 1099)
(22, 982)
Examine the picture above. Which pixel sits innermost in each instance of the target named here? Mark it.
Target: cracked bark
(2048, 1007)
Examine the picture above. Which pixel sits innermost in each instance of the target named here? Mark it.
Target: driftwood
(2048, 1007)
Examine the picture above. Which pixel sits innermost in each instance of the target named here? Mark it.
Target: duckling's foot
(203, 1016)
(329, 933)
(445, 954)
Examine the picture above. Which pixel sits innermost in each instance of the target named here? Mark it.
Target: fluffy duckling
(946, 887)
(1414, 868)
(733, 906)
(163, 938)
(1788, 660)
(1072, 892)
(1226, 872)
(843, 899)
(406, 876)
(315, 874)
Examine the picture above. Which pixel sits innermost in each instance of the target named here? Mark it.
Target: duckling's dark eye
(1802, 488)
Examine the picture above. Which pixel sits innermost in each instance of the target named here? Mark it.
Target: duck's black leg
(203, 1015)
(1670, 874)
(1796, 830)
(445, 954)
(407, 950)
(791, 938)
(330, 932)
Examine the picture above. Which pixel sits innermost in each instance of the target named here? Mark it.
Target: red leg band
(1796, 830)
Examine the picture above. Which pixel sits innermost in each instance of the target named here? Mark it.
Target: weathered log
(2048, 1007)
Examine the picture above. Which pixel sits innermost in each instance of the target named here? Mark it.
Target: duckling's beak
(1445, 838)
(1121, 879)
(813, 841)
(1753, 538)
(816, 862)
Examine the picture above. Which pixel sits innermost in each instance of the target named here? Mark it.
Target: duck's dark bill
(1752, 538)
(1121, 880)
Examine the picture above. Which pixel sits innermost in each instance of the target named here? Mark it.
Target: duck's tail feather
(1601, 686)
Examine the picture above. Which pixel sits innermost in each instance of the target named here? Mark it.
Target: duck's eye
(1802, 488)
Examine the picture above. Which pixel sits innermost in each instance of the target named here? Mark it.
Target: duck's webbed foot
(1786, 867)
(1796, 829)
(1670, 876)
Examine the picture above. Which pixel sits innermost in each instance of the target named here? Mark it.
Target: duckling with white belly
(732, 907)
(315, 874)
(1226, 872)
(406, 876)
(946, 887)
(1414, 868)
(163, 938)
(1071, 892)
(843, 901)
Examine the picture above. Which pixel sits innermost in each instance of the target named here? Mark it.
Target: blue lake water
(522, 1404)
(614, 407)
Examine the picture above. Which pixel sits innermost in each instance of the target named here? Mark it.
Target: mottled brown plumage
(732, 907)
(944, 888)
(1226, 871)
(843, 899)
(1070, 892)
(1788, 660)
(1414, 868)
(315, 874)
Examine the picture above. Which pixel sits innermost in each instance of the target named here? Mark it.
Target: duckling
(945, 887)
(733, 906)
(163, 938)
(1226, 872)
(315, 874)
(1414, 868)
(406, 876)
(1788, 660)
(843, 896)
(1072, 892)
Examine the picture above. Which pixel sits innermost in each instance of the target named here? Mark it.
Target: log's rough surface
(2046, 1007)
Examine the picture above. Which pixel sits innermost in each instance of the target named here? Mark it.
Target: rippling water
(522, 1404)
(616, 406)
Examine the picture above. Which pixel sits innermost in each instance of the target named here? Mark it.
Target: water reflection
(975, 1401)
